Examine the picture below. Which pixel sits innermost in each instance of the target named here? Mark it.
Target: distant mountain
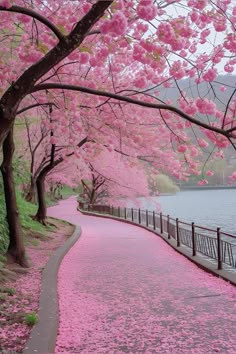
(203, 90)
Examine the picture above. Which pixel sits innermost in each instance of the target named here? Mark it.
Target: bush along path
(124, 290)
(19, 296)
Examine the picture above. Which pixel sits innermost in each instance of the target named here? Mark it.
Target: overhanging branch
(166, 107)
(35, 105)
(37, 16)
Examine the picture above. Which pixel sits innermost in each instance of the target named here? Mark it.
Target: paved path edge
(43, 335)
(198, 260)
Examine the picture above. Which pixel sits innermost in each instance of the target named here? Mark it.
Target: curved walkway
(124, 290)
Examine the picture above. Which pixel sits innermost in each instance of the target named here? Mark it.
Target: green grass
(31, 319)
(8, 291)
(26, 210)
(65, 192)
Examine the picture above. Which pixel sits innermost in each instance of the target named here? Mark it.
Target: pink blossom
(149, 46)
(202, 182)
(198, 4)
(84, 57)
(205, 106)
(24, 18)
(146, 11)
(142, 27)
(194, 152)
(105, 27)
(209, 173)
(210, 74)
(222, 88)
(53, 140)
(219, 154)
(119, 23)
(182, 148)
(202, 143)
(194, 16)
(116, 26)
(140, 82)
(233, 176)
(177, 70)
(5, 3)
(230, 42)
(220, 24)
(86, 7)
(228, 68)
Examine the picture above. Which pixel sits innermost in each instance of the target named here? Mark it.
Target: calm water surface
(210, 208)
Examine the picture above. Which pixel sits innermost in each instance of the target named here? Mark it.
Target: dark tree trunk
(42, 207)
(92, 197)
(16, 249)
(31, 192)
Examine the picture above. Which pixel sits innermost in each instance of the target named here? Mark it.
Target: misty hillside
(203, 90)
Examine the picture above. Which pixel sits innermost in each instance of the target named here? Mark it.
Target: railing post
(139, 216)
(147, 223)
(112, 210)
(154, 220)
(125, 212)
(193, 239)
(118, 212)
(168, 226)
(161, 223)
(219, 253)
(177, 232)
(132, 214)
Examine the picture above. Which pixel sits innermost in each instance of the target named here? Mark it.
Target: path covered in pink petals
(124, 290)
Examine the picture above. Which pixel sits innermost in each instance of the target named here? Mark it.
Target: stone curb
(201, 262)
(43, 335)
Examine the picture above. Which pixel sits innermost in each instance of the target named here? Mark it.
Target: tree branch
(37, 16)
(167, 107)
(33, 106)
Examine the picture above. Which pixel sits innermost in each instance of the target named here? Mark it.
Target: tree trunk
(16, 249)
(42, 207)
(93, 197)
(31, 192)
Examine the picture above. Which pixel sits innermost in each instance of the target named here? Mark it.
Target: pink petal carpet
(124, 290)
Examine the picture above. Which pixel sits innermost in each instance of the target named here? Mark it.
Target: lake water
(210, 208)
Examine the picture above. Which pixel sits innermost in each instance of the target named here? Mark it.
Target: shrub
(31, 319)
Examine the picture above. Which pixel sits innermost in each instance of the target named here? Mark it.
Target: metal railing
(211, 243)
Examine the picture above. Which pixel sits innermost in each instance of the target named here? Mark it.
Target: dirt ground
(20, 288)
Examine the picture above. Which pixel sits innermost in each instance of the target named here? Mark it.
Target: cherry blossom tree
(122, 53)
(46, 152)
(112, 178)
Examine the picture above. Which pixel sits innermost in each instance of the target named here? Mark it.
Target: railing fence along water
(211, 243)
